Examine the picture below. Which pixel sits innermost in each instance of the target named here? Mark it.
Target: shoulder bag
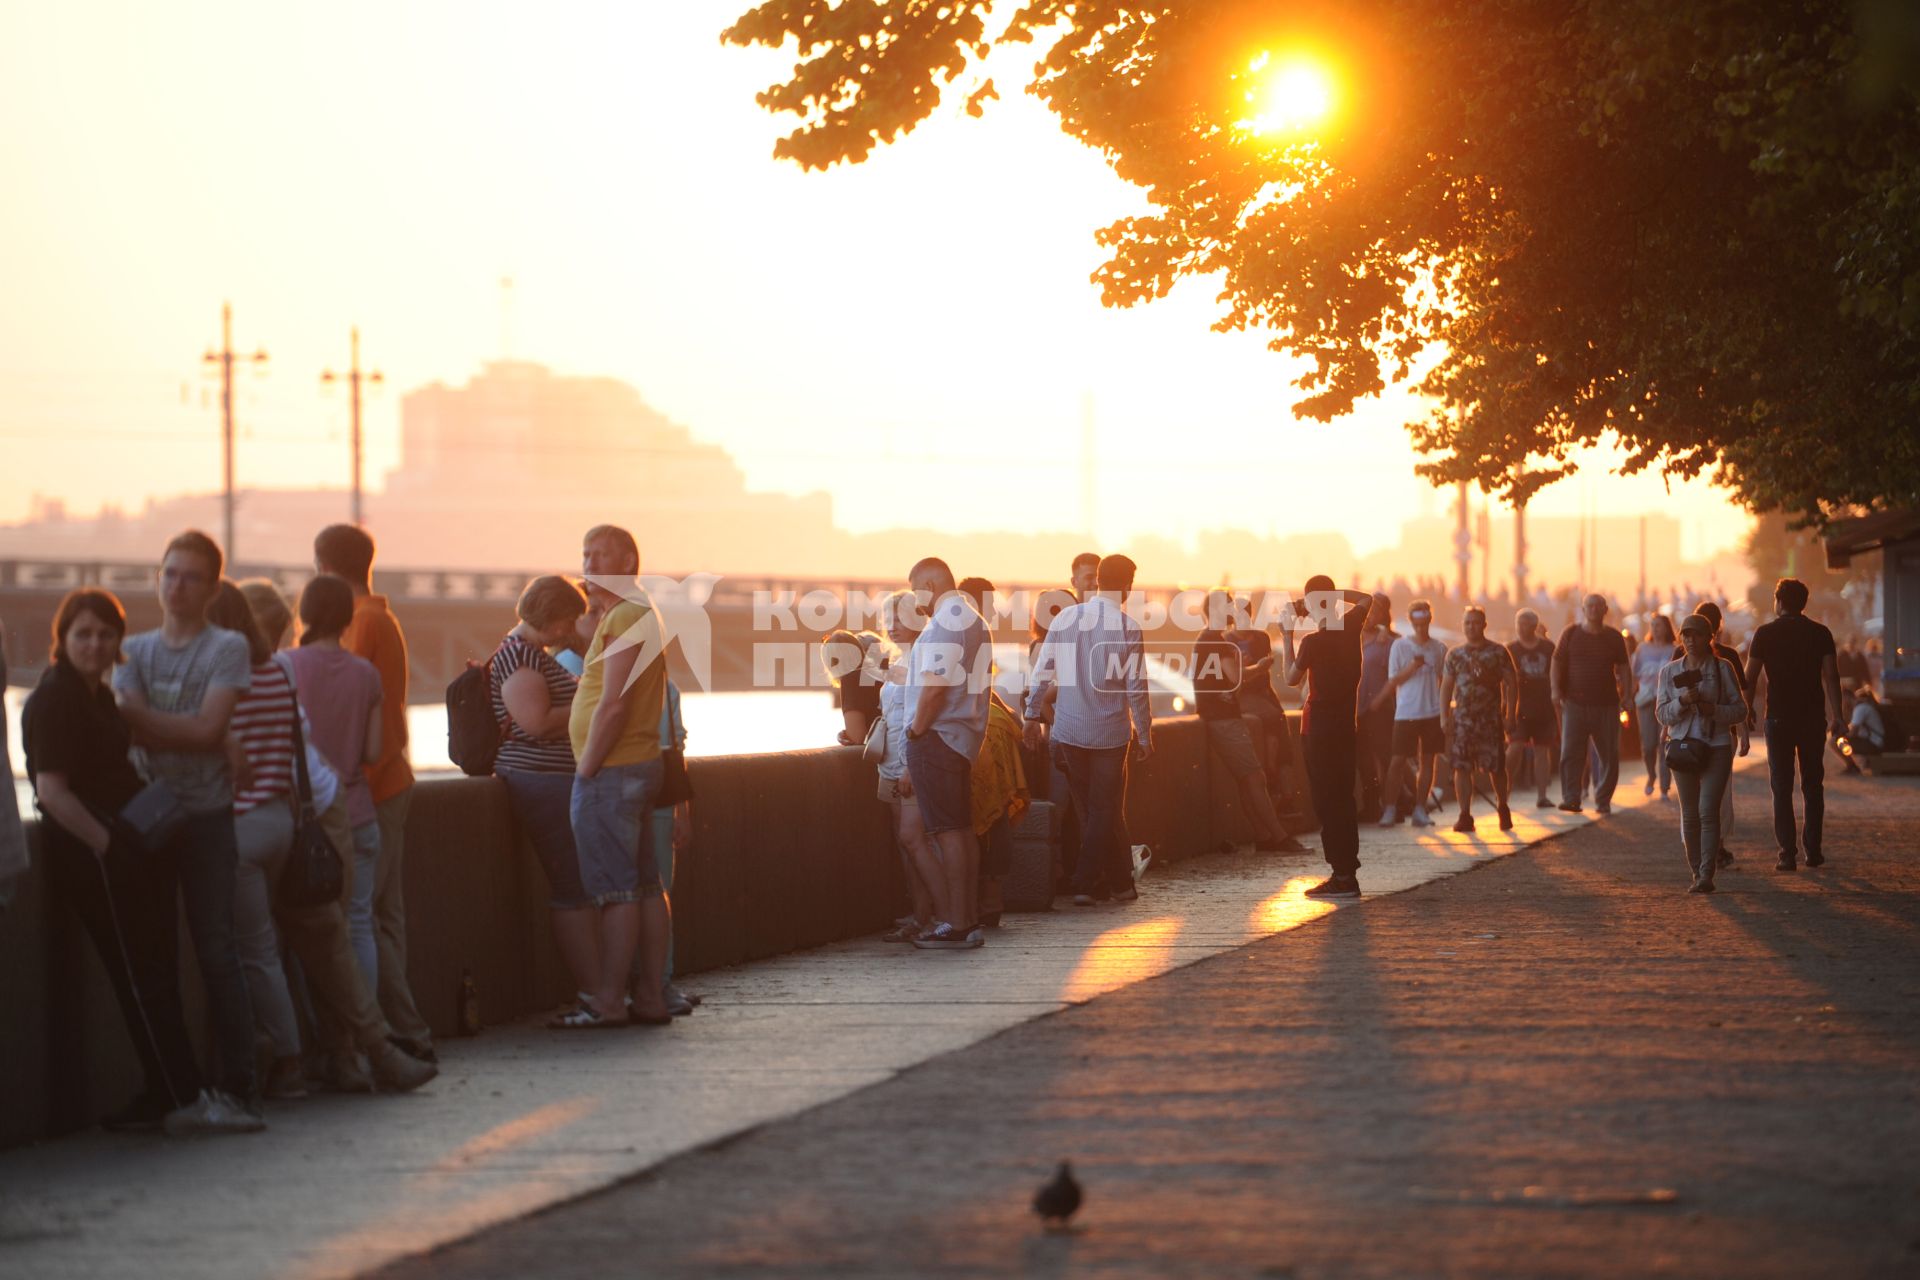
(1690, 754)
(675, 787)
(314, 874)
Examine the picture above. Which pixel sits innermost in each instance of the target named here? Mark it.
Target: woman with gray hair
(1699, 698)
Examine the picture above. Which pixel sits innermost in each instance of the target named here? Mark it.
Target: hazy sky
(915, 335)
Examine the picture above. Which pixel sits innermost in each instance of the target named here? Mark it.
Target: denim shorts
(613, 833)
(942, 783)
(542, 807)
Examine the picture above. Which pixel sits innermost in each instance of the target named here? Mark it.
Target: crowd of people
(174, 768)
(201, 765)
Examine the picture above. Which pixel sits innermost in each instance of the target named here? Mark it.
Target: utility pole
(1089, 464)
(1463, 549)
(1642, 601)
(1520, 551)
(224, 358)
(354, 378)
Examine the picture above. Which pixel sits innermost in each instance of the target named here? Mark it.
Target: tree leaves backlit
(1692, 226)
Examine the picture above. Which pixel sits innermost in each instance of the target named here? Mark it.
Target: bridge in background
(455, 616)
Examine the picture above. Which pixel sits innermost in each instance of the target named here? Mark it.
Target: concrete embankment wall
(789, 851)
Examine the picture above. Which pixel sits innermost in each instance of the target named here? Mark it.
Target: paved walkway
(1281, 1079)
(1558, 1066)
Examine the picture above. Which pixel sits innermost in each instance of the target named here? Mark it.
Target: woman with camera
(1700, 697)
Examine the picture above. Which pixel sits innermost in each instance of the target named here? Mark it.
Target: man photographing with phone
(1329, 656)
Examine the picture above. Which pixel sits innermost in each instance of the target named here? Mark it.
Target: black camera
(1687, 679)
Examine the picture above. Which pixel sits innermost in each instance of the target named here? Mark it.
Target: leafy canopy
(1689, 225)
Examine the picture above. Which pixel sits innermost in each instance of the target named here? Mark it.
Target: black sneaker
(1568, 806)
(1701, 886)
(1816, 858)
(1785, 864)
(1336, 887)
(1725, 858)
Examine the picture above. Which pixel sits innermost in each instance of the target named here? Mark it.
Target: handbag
(153, 816)
(1690, 754)
(314, 874)
(675, 786)
(875, 747)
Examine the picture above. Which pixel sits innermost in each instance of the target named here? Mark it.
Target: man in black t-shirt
(1796, 654)
(1330, 657)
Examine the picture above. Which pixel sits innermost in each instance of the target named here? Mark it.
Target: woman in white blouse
(1700, 696)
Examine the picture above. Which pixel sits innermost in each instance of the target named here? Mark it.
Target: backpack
(473, 735)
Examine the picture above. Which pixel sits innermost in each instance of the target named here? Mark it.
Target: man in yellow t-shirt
(615, 727)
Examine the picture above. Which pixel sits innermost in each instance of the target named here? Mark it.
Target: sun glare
(1287, 96)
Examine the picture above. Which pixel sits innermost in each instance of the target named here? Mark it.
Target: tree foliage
(1689, 225)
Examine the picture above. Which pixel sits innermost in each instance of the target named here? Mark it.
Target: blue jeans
(1785, 741)
(209, 858)
(1098, 778)
(1700, 795)
(366, 863)
(613, 832)
(542, 805)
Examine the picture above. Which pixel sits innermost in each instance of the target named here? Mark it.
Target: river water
(718, 724)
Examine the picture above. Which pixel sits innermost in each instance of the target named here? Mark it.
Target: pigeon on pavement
(1059, 1199)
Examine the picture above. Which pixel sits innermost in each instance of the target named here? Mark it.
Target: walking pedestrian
(1649, 660)
(1742, 736)
(1590, 689)
(1699, 700)
(1413, 683)
(1796, 656)
(1329, 662)
(1478, 689)
(1375, 743)
(1537, 727)
(1100, 715)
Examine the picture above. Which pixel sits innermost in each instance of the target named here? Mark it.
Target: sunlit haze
(905, 335)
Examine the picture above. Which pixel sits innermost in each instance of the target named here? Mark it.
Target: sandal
(635, 1018)
(580, 1018)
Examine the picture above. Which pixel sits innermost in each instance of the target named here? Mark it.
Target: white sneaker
(213, 1112)
(1420, 818)
(1391, 816)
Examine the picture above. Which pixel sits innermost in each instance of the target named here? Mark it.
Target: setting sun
(1287, 95)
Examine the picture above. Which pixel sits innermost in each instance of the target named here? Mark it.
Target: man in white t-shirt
(1413, 682)
(946, 715)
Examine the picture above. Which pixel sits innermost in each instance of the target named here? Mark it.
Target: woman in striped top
(532, 699)
(260, 749)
